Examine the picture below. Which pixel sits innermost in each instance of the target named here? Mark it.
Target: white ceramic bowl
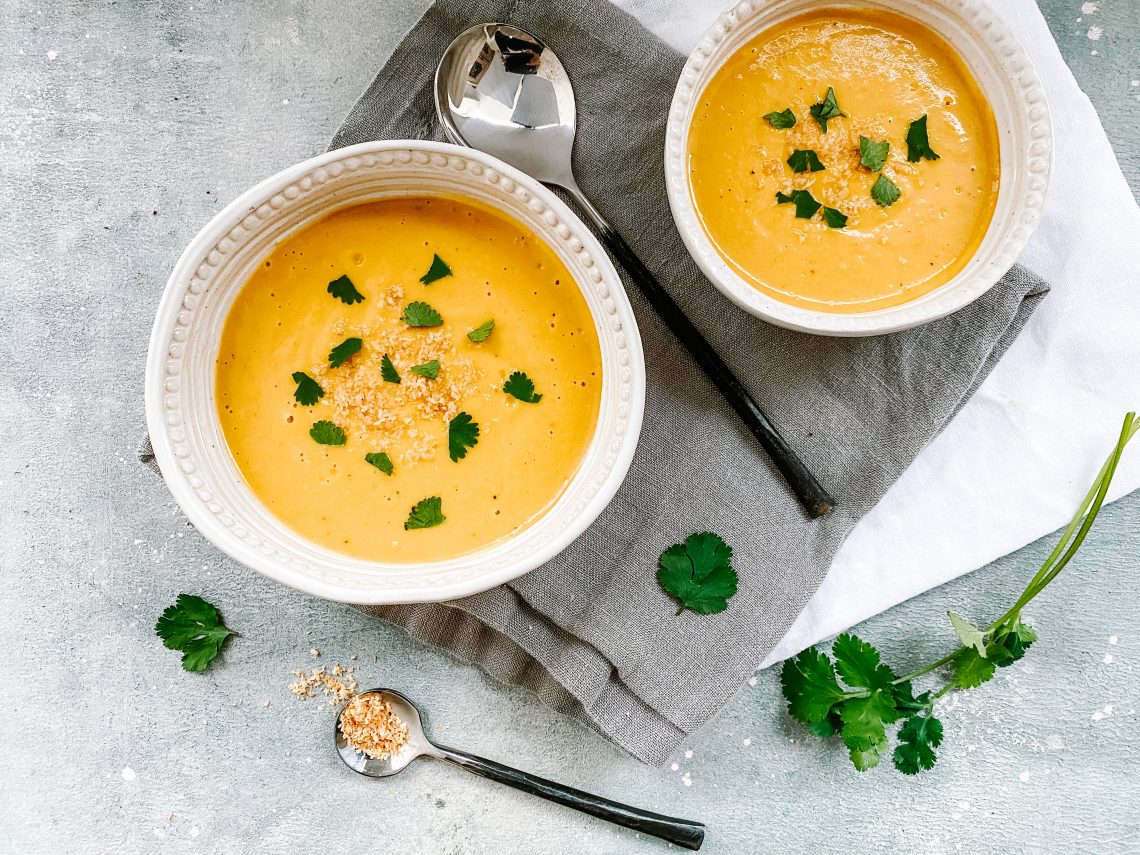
(1007, 79)
(180, 409)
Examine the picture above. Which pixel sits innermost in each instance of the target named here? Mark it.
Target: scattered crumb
(1108, 659)
(1023, 777)
(372, 728)
(1089, 8)
(1095, 32)
(265, 705)
(338, 688)
(129, 774)
(314, 653)
(1112, 638)
(747, 742)
(1102, 713)
(752, 680)
(688, 755)
(674, 767)
(687, 779)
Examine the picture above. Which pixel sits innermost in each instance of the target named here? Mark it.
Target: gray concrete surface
(122, 128)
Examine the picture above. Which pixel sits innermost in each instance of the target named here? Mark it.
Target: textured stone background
(123, 128)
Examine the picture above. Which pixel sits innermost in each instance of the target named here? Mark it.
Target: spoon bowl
(417, 743)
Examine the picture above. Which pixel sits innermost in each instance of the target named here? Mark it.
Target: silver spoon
(684, 833)
(501, 90)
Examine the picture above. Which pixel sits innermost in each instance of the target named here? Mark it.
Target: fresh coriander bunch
(853, 695)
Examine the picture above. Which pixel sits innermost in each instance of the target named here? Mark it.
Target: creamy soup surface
(886, 71)
(285, 320)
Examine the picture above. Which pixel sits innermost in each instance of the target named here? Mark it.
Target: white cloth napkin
(1018, 458)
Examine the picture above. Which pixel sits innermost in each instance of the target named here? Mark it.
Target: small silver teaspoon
(684, 833)
(503, 91)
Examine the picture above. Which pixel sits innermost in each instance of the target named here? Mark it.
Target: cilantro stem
(1071, 540)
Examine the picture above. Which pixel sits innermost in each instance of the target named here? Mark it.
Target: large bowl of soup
(857, 168)
(398, 372)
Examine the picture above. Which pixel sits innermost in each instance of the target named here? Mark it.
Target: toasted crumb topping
(364, 403)
(372, 727)
(337, 683)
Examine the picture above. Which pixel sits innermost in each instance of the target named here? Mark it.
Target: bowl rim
(177, 299)
(1031, 169)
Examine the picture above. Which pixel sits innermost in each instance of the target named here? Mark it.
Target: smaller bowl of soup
(398, 372)
(855, 169)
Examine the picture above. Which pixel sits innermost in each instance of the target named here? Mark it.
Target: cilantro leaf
(864, 726)
(834, 218)
(782, 119)
(344, 351)
(972, 670)
(698, 574)
(827, 727)
(462, 434)
(826, 110)
(918, 143)
(918, 737)
(482, 332)
(520, 386)
(195, 627)
(426, 513)
(873, 153)
(438, 270)
(805, 203)
(343, 289)
(969, 634)
(429, 369)
(809, 686)
(858, 663)
(1009, 644)
(388, 370)
(805, 160)
(884, 191)
(420, 314)
(308, 390)
(325, 432)
(381, 461)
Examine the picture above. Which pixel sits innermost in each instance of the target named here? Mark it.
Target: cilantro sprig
(482, 332)
(426, 513)
(462, 434)
(855, 696)
(918, 142)
(884, 191)
(873, 153)
(420, 314)
(805, 160)
(308, 390)
(429, 369)
(438, 270)
(826, 110)
(381, 461)
(520, 386)
(344, 351)
(325, 432)
(343, 289)
(781, 120)
(388, 370)
(194, 627)
(698, 573)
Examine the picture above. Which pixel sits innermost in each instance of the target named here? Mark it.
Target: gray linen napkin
(591, 632)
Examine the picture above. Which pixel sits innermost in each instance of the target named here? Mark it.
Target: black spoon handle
(683, 832)
(815, 499)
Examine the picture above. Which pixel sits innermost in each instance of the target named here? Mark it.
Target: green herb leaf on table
(325, 432)
(874, 697)
(884, 191)
(805, 203)
(438, 270)
(482, 332)
(826, 110)
(381, 461)
(419, 314)
(343, 289)
(344, 351)
(805, 160)
(782, 120)
(388, 371)
(969, 634)
(194, 627)
(429, 369)
(873, 154)
(462, 434)
(918, 142)
(834, 218)
(918, 737)
(426, 513)
(520, 386)
(308, 390)
(698, 574)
